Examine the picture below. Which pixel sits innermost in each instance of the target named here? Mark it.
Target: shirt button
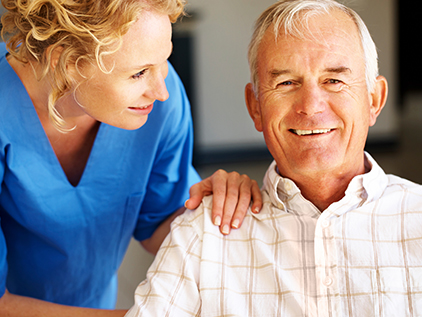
(287, 186)
(280, 206)
(328, 281)
(325, 223)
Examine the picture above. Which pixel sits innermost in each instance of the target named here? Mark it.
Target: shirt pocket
(397, 291)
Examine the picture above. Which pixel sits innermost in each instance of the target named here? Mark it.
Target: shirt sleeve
(172, 174)
(171, 287)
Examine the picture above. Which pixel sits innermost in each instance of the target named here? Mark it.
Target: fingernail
(217, 221)
(226, 229)
(256, 210)
(186, 203)
(235, 223)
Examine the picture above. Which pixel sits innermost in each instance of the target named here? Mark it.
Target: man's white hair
(292, 16)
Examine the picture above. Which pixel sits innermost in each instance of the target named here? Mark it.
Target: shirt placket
(327, 255)
(326, 273)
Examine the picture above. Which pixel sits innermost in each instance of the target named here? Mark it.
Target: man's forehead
(340, 42)
(314, 27)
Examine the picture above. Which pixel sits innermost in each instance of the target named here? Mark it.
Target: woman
(85, 161)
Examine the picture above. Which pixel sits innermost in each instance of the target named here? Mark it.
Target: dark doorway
(410, 48)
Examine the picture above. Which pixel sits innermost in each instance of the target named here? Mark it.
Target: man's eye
(139, 74)
(334, 81)
(286, 83)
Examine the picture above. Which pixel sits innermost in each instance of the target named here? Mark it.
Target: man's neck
(323, 189)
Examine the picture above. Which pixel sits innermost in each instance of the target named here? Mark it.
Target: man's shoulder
(198, 219)
(199, 213)
(201, 218)
(395, 181)
(403, 191)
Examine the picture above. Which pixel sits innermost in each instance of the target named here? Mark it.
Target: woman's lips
(142, 110)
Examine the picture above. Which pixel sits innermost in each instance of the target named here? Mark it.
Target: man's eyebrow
(338, 70)
(274, 73)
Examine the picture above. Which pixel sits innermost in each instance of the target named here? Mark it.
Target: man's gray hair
(292, 15)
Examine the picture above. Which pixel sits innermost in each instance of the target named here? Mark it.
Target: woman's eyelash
(139, 74)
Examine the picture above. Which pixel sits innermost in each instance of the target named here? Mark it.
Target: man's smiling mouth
(310, 132)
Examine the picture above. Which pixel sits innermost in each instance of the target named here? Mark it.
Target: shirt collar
(372, 183)
(283, 191)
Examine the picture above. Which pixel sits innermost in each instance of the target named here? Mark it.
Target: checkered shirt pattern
(361, 257)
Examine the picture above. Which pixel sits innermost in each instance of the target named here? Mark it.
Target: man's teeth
(308, 132)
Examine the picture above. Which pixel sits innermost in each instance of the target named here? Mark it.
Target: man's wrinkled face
(313, 104)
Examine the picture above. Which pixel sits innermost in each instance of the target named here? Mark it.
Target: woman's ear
(253, 106)
(379, 98)
(54, 53)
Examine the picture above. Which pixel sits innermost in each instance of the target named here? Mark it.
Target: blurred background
(210, 48)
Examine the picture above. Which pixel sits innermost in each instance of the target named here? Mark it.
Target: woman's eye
(139, 74)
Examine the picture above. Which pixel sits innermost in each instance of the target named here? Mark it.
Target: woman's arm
(152, 244)
(18, 306)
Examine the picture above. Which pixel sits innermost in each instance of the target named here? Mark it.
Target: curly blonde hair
(85, 31)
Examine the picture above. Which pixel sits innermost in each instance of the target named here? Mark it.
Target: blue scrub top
(62, 243)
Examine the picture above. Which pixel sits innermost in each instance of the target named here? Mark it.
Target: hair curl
(291, 16)
(84, 30)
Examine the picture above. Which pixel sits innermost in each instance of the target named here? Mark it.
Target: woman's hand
(232, 194)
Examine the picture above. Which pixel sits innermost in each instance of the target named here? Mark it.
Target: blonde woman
(95, 147)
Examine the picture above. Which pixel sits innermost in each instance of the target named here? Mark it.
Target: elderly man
(337, 236)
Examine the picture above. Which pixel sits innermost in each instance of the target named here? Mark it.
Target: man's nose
(311, 100)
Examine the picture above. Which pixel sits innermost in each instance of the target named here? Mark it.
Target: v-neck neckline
(38, 134)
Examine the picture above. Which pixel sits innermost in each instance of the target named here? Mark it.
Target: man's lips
(310, 132)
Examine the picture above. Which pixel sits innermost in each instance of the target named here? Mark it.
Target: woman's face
(124, 97)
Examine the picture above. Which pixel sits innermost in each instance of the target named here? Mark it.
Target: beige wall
(379, 16)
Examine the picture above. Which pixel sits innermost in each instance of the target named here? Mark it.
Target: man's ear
(253, 106)
(379, 98)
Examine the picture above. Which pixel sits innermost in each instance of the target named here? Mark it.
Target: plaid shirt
(360, 257)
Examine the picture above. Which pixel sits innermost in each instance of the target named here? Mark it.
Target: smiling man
(336, 236)
(313, 103)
